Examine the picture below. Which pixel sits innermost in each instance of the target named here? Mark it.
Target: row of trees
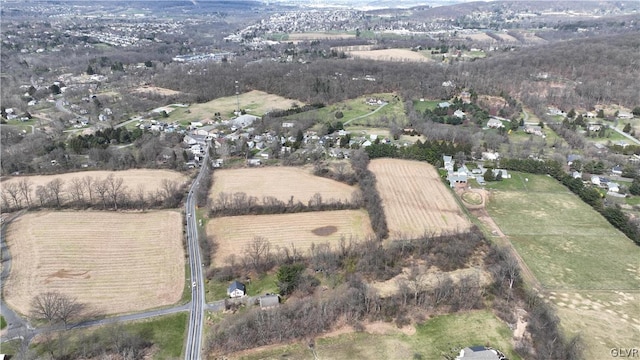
(84, 192)
(370, 196)
(429, 151)
(240, 203)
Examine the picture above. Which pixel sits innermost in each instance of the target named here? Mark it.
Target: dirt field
(401, 55)
(150, 180)
(114, 262)
(279, 182)
(415, 200)
(155, 90)
(254, 102)
(479, 37)
(234, 233)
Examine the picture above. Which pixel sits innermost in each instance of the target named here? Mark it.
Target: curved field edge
(113, 262)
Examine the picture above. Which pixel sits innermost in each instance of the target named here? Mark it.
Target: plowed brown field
(234, 233)
(279, 182)
(113, 262)
(415, 200)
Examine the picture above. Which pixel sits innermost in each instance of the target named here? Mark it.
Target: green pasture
(566, 243)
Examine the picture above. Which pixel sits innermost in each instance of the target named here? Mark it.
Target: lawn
(589, 270)
(566, 243)
(421, 106)
(431, 340)
(254, 102)
(3, 322)
(216, 290)
(354, 108)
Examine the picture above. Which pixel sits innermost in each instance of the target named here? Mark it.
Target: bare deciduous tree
(258, 252)
(13, 190)
(25, 189)
(115, 188)
(76, 189)
(56, 190)
(55, 307)
(88, 182)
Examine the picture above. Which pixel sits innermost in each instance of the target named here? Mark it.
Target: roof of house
(236, 285)
(478, 353)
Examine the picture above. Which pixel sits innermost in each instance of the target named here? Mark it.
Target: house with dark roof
(236, 289)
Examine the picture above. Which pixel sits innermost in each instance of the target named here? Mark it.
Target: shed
(269, 301)
(236, 289)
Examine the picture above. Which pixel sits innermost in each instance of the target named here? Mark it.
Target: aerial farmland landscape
(340, 179)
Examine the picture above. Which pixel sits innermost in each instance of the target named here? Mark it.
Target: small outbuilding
(236, 289)
(269, 301)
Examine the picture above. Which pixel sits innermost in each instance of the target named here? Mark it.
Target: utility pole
(237, 99)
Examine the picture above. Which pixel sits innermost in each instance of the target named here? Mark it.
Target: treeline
(241, 204)
(295, 110)
(429, 151)
(88, 192)
(303, 316)
(103, 138)
(370, 196)
(590, 195)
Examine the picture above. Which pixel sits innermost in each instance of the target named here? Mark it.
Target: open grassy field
(113, 262)
(561, 238)
(589, 270)
(429, 340)
(421, 106)
(279, 182)
(399, 55)
(415, 199)
(148, 179)
(358, 112)
(234, 233)
(253, 102)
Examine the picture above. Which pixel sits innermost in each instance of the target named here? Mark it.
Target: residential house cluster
(461, 176)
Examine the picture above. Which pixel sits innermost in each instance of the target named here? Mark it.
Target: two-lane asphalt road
(196, 319)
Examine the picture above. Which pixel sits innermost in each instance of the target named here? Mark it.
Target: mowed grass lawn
(566, 243)
(353, 108)
(431, 340)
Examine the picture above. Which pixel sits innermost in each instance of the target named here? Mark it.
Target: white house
(490, 156)
(595, 180)
(459, 114)
(495, 124)
(613, 187)
(625, 115)
(236, 289)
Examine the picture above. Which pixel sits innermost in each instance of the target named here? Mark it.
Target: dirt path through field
(504, 240)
